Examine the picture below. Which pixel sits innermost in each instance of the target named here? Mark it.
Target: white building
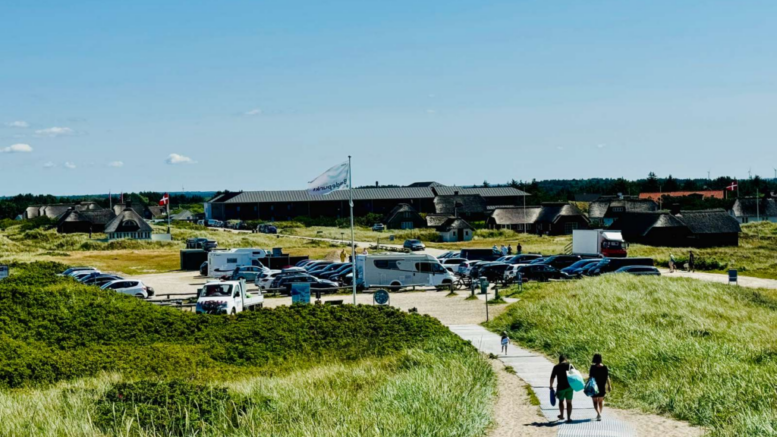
(455, 229)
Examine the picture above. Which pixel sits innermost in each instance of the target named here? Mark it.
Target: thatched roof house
(555, 218)
(75, 221)
(455, 229)
(749, 209)
(708, 228)
(605, 211)
(128, 224)
(404, 216)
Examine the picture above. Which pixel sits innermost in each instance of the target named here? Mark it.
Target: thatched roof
(712, 221)
(453, 224)
(435, 220)
(602, 206)
(746, 207)
(128, 221)
(516, 215)
(98, 217)
(400, 208)
(157, 211)
(461, 203)
(551, 212)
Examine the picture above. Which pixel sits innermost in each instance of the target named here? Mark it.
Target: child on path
(505, 342)
(601, 374)
(671, 263)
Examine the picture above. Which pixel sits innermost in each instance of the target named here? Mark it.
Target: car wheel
(395, 286)
(234, 311)
(140, 296)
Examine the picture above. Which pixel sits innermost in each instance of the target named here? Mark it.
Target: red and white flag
(165, 200)
(733, 186)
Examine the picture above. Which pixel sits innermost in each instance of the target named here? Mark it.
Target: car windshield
(217, 290)
(581, 263)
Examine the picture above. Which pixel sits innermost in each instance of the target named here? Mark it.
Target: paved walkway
(744, 281)
(535, 370)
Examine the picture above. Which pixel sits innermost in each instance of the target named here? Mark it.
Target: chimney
(675, 209)
(455, 193)
(377, 184)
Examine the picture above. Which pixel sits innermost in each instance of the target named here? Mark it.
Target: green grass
(533, 399)
(701, 352)
(76, 360)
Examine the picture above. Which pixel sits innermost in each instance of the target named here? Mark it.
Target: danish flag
(165, 200)
(733, 186)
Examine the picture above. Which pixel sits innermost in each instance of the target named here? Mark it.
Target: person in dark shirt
(564, 391)
(601, 374)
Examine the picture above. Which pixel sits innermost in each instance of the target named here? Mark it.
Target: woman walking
(601, 374)
(505, 342)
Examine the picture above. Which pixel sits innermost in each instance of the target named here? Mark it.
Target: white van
(223, 262)
(395, 271)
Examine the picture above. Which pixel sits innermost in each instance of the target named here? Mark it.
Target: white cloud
(601, 146)
(255, 111)
(17, 148)
(54, 132)
(175, 159)
(19, 123)
(70, 165)
(559, 148)
(49, 165)
(431, 111)
(116, 164)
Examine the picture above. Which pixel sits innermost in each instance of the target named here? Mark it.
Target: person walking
(364, 252)
(519, 248)
(495, 249)
(509, 249)
(505, 342)
(601, 374)
(343, 256)
(564, 391)
(671, 263)
(504, 250)
(691, 261)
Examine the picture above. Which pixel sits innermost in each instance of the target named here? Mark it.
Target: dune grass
(77, 360)
(701, 352)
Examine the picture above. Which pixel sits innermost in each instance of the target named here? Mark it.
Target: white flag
(336, 178)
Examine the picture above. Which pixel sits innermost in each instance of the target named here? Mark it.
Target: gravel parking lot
(453, 310)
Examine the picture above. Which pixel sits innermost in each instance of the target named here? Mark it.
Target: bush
(174, 408)
(38, 223)
(52, 329)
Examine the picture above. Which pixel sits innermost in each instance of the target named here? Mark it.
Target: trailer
(598, 242)
(398, 270)
(224, 262)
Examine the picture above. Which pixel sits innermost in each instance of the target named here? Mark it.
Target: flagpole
(353, 244)
(167, 204)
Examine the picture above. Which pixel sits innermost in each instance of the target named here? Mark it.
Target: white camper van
(399, 270)
(223, 262)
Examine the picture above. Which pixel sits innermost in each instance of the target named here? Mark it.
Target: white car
(133, 287)
(264, 279)
(82, 274)
(465, 267)
(452, 264)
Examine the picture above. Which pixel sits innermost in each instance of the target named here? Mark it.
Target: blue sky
(252, 95)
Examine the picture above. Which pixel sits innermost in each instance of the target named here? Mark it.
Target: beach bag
(575, 379)
(591, 388)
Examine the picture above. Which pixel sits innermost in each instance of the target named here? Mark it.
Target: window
(386, 264)
(423, 267)
(407, 225)
(617, 209)
(238, 209)
(231, 260)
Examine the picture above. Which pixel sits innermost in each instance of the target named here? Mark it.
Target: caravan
(224, 262)
(395, 271)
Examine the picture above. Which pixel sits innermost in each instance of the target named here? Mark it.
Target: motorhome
(223, 262)
(395, 271)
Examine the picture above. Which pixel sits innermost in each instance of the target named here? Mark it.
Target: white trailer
(224, 262)
(593, 242)
(399, 270)
(227, 297)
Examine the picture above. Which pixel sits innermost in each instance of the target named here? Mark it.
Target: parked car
(465, 268)
(328, 269)
(201, 243)
(538, 272)
(378, 227)
(607, 265)
(561, 261)
(523, 258)
(72, 270)
(315, 283)
(576, 269)
(228, 297)
(312, 265)
(132, 287)
(414, 245)
(639, 270)
(101, 279)
(247, 273)
(451, 264)
(318, 268)
(264, 280)
(449, 254)
(339, 276)
(266, 229)
(85, 274)
(493, 272)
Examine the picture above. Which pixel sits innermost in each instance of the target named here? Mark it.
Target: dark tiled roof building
(708, 228)
(404, 216)
(748, 209)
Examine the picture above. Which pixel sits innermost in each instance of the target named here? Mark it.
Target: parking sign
(300, 293)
